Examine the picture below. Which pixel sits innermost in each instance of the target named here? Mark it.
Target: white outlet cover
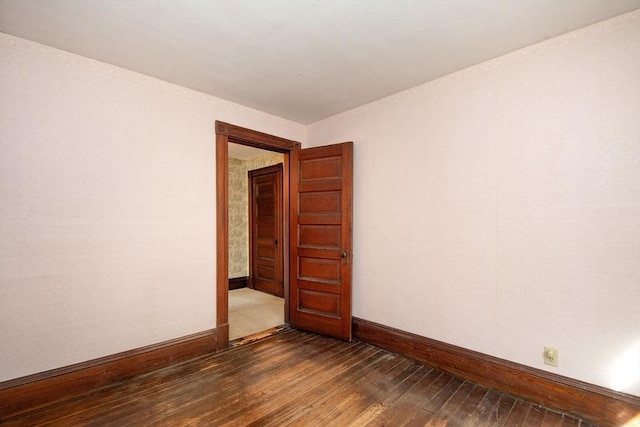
(551, 356)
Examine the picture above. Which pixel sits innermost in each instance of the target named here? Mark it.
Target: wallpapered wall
(239, 210)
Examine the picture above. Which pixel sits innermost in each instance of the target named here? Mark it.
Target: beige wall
(107, 207)
(239, 210)
(498, 208)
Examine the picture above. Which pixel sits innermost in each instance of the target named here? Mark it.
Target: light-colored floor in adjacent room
(251, 311)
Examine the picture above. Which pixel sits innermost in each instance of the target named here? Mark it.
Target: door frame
(226, 133)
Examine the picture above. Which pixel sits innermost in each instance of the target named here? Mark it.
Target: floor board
(297, 379)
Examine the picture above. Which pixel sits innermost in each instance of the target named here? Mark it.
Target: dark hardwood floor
(296, 378)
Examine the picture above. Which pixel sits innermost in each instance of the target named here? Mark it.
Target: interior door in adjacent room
(266, 240)
(321, 190)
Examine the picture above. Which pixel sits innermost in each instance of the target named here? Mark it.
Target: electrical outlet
(551, 356)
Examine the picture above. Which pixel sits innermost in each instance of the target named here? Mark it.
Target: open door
(320, 247)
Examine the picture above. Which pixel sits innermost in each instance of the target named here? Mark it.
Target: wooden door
(266, 230)
(320, 246)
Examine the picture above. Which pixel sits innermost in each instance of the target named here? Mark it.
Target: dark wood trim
(252, 277)
(252, 138)
(26, 393)
(222, 239)
(285, 231)
(598, 404)
(226, 133)
(238, 282)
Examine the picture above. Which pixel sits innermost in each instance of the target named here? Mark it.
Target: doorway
(256, 291)
(226, 133)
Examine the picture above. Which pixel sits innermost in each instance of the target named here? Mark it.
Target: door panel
(319, 236)
(320, 251)
(266, 230)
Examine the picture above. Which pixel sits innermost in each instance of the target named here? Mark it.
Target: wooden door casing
(265, 228)
(226, 133)
(321, 193)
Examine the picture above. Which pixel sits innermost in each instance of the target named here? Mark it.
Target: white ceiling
(303, 60)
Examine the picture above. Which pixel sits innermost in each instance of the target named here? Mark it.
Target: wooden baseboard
(223, 336)
(23, 394)
(238, 282)
(594, 403)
